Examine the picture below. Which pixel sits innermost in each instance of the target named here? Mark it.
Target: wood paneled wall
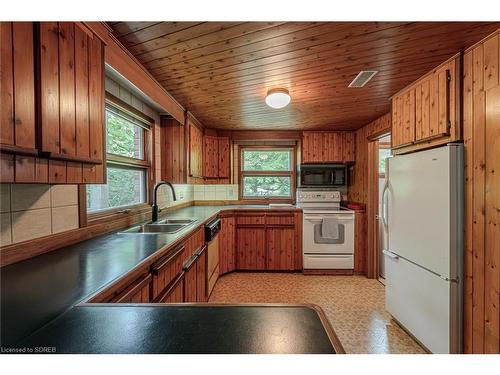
(481, 121)
(358, 188)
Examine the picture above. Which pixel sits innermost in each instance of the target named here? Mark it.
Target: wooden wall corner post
(371, 212)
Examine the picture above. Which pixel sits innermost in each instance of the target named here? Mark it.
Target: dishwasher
(212, 239)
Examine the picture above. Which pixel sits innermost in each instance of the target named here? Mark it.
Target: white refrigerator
(423, 210)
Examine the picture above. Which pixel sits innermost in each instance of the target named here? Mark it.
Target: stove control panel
(318, 196)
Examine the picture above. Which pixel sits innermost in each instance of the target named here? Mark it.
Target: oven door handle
(319, 218)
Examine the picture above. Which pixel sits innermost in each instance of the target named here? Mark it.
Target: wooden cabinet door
(307, 147)
(137, 292)
(403, 126)
(18, 103)
(227, 253)
(190, 283)
(224, 157)
(210, 157)
(71, 101)
(17, 92)
(251, 248)
(175, 293)
(195, 152)
(348, 147)
(201, 276)
(173, 153)
(167, 269)
(360, 238)
(328, 147)
(280, 248)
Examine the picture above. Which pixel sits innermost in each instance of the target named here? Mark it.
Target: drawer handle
(156, 268)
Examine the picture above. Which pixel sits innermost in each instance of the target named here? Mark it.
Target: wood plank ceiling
(221, 71)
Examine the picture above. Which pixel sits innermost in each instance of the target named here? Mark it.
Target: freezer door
(424, 303)
(425, 208)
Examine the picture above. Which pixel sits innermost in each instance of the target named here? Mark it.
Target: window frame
(146, 163)
(292, 173)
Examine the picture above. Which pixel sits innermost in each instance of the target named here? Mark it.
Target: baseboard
(328, 272)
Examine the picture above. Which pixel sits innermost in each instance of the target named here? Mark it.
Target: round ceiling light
(278, 98)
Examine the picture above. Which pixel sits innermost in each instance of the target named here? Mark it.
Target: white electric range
(320, 252)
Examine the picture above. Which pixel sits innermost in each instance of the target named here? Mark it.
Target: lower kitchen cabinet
(195, 279)
(269, 241)
(360, 242)
(201, 276)
(280, 248)
(190, 280)
(128, 290)
(227, 248)
(251, 248)
(174, 293)
(166, 269)
(137, 292)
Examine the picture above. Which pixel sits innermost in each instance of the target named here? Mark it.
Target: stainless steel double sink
(167, 226)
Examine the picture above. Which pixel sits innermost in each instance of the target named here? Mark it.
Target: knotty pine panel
(481, 120)
(237, 60)
(172, 151)
(250, 248)
(358, 187)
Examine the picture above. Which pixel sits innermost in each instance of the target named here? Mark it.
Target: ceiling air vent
(362, 78)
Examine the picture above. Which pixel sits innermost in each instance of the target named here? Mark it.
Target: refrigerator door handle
(384, 203)
(390, 254)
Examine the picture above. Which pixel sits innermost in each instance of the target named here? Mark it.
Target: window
(127, 163)
(267, 173)
(383, 154)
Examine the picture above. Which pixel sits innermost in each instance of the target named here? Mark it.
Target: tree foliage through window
(267, 173)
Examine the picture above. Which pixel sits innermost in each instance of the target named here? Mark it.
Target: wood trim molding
(117, 56)
(372, 256)
(190, 117)
(113, 100)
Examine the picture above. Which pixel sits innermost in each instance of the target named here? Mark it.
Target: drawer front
(137, 292)
(250, 219)
(286, 219)
(175, 293)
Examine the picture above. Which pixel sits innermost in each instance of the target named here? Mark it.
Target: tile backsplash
(32, 211)
(215, 192)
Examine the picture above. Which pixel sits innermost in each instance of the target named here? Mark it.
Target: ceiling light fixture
(278, 98)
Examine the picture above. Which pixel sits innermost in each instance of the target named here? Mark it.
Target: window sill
(118, 213)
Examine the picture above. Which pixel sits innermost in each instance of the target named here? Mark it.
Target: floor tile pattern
(353, 304)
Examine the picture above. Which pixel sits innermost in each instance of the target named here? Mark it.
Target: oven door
(315, 243)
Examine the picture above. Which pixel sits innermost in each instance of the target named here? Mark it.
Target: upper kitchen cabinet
(173, 150)
(426, 112)
(216, 159)
(71, 92)
(18, 87)
(195, 150)
(52, 95)
(328, 147)
(210, 156)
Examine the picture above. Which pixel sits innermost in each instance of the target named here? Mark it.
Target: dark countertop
(37, 290)
(187, 329)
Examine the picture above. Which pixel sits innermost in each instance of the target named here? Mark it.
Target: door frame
(373, 244)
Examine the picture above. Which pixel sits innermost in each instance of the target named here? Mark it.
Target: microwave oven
(323, 176)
